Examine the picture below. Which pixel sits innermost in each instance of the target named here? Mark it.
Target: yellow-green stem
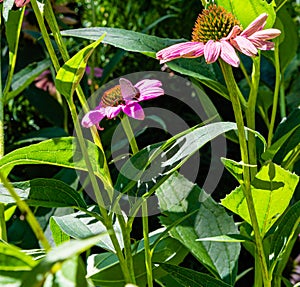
(107, 220)
(282, 98)
(250, 114)
(276, 92)
(148, 254)
(39, 16)
(3, 233)
(234, 96)
(27, 213)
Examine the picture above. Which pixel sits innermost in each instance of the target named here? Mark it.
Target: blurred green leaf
(51, 262)
(70, 74)
(104, 269)
(250, 10)
(44, 192)
(191, 278)
(71, 274)
(178, 198)
(272, 190)
(13, 265)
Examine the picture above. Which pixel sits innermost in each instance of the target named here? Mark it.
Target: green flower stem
(106, 218)
(276, 92)
(38, 11)
(3, 233)
(27, 213)
(148, 254)
(234, 96)
(250, 114)
(245, 73)
(282, 98)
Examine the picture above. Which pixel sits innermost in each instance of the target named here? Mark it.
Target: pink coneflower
(216, 34)
(253, 38)
(123, 97)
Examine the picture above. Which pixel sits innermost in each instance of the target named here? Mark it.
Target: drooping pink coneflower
(217, 33)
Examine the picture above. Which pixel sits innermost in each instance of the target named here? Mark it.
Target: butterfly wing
(128, 91)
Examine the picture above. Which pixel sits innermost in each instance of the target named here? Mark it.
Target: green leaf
(71, 274)
(199, 70)
(250, 10)
(58, 151)
(235, 168)
(13, 265)
(124, 39)
(191, 278)
(44, 192)
(70, 74)
(80, 225)
(25, 77)
(272, 190)
(50, 263)
(285, 235)
(179, 198)
(104, 269)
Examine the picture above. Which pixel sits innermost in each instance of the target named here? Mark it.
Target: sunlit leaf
(272, 190)
(70, 74)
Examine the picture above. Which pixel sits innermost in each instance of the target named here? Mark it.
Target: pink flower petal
(263, 45)
(212, 51)
(265, 34)
(146, 84)
(134, 110)
(150, 94)
(93, 118)
(256, 25)
(228, 54)
(112, 112)
(181, 50)
(244, 45)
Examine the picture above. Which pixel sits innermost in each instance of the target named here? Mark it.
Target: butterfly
(128, 90)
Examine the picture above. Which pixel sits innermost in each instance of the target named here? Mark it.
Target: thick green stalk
(276, 92)
(250, 114)
(27, 213)
(282, 104)
(234, 96)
